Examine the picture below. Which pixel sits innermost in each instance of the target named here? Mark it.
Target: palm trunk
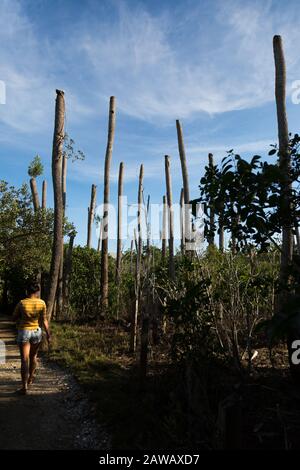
(60, 298)
(35, 194)
(58, 139)
(221, 231)
(164, 230)
(182, 235)
(104, 251)
(171, 221)
(186, 190)
(119, 235)
(284, 160)
(44, 195)
(91, 214)
(211, 239)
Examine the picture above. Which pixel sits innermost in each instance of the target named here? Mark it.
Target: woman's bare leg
(32, 361)
(24, 351)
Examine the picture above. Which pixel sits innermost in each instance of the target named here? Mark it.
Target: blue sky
(207, 63)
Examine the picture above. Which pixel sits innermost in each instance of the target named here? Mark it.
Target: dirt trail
(54, 415)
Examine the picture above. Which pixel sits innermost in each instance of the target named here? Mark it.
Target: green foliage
(84, 285)
(36, 167)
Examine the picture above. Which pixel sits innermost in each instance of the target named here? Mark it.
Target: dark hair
(33, 288)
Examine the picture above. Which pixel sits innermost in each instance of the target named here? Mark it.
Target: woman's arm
(46, 326)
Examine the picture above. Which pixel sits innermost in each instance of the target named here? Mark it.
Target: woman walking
(30, 316)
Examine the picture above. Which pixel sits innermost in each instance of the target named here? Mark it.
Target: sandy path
(54, 415)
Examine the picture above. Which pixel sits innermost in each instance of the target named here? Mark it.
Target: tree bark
(91, 214)
(211, 239)
(119, 235)
(58, 139)
(104, 251)
(35, 194)
(182, 235)
(164, 230)
(44, 195)
(186, 190)
(221, 231)
(284, 161)
(171, 220)
(60, 298)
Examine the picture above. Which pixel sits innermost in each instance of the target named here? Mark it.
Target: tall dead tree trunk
(211, 239)
(44, 195)
(171, 219)
(60, 299)
(186, 190)
(221, 230)
(182, 235)
(139, 248)
(119, 234)
(91, 215)
(164, 229)
(284, 159)
(34, 194)
(108, 157)
(58, 139)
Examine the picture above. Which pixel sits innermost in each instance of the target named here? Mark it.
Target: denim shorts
(31, 336)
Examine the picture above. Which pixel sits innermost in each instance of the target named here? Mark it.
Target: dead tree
(139, 249)
(108, 157)
(91, 215)
(211, 206)
(186, 190)
(284, 160)
(182, 235)
(119, 234)
(171, 220)
(164, 229)
(35, 194)
(60, 299)
(58, 139)
(44, 195)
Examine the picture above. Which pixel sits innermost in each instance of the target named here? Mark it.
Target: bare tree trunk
(134, 321)
(186, 190)
(91, 214)
(221, 231)
(58, 139)
(44, 195)
(119, 235)
(60, 299)
(171, 221)
(164, 230)
(108, 157)
(211, 239)
(64, 181)
(131, 255)
(148, 227)
(35, 194)
(284, 160)
(182, 235)
(139, 215)
(100, 237)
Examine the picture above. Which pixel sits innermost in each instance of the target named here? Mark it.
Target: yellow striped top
(29, 312)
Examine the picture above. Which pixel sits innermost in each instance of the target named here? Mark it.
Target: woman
(30, 315)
